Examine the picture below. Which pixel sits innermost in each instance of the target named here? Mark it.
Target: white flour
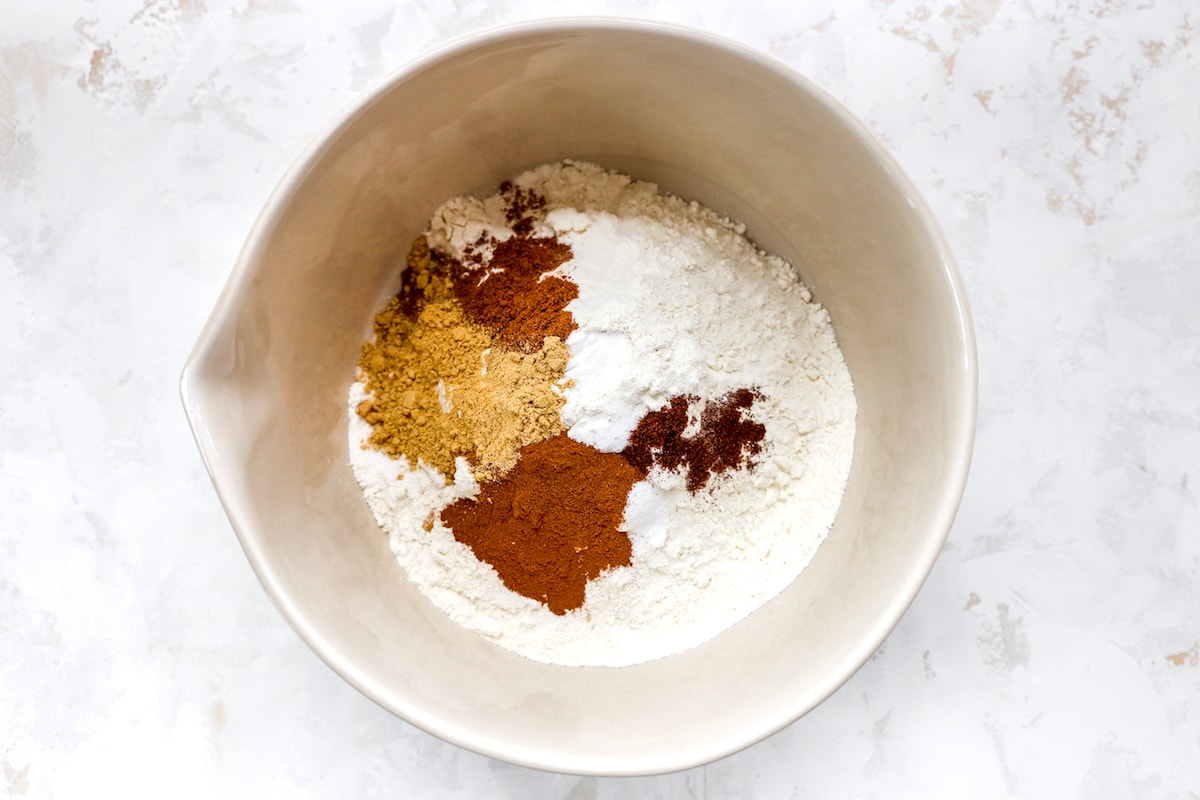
(672, 300)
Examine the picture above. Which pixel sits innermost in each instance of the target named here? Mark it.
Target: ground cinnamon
(553, 523)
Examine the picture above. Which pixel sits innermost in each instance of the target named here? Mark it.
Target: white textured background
(1055, 650)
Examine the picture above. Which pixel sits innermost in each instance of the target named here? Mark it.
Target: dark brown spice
(513, 296)
(727, 438)
(520, 203)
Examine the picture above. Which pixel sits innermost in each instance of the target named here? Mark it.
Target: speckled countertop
(1054, 651)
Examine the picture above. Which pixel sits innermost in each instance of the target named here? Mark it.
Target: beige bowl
(265, 389)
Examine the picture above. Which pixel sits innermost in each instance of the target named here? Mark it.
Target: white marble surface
(1054, 651)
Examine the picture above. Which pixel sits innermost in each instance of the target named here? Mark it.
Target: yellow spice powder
(442, 386)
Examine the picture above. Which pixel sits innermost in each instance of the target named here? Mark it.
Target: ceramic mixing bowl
(265, 388)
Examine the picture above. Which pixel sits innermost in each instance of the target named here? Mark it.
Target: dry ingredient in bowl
(597, 423)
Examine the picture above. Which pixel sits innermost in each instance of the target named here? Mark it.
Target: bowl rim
(944, 506)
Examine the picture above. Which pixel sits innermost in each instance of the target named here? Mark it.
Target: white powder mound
(673, 300)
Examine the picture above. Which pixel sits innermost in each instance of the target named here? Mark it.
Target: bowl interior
(266, 386)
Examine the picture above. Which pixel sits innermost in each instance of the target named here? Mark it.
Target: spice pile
(598, 425)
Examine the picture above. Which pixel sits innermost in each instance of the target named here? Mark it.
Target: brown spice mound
(514, 297)
(726, 439)
(553, 523)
